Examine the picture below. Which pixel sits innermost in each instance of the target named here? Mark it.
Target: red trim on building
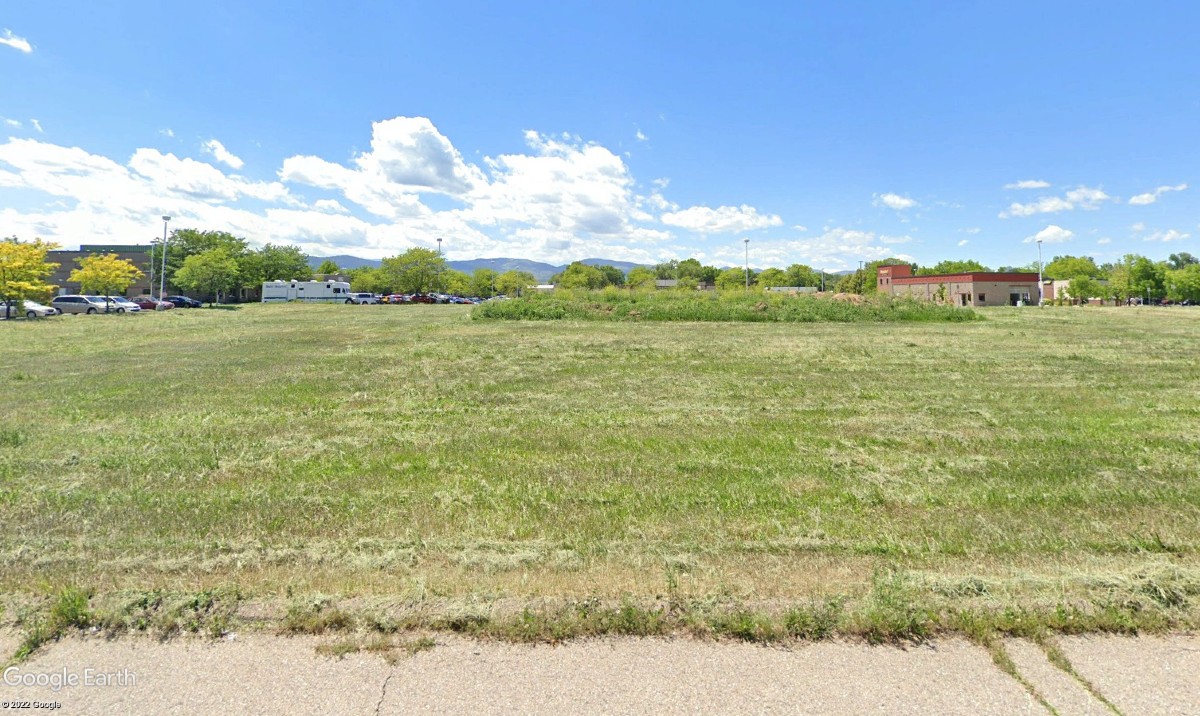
(967, 278)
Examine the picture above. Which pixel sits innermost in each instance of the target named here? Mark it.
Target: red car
(149, 304)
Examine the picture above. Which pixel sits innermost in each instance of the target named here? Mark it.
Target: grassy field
(325, 466)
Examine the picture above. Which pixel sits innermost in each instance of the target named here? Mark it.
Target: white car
(27, 308)
(362, 298)
(120, 303)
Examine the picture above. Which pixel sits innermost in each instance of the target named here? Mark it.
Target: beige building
(960, 289)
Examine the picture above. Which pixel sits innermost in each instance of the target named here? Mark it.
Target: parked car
(27, 308)
(147, 303)
(362, 298)
(80, 304)
(122, 304)
(185, 302)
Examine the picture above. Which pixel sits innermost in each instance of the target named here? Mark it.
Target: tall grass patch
(724, 306)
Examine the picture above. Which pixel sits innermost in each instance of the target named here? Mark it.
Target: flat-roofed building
(138, 255)
(975, 288)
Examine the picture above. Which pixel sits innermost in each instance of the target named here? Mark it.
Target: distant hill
(541, 271)
(343, 261)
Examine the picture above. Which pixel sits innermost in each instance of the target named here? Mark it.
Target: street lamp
(747, 241)
(439, 271)
(1039, 243)
(162, 275)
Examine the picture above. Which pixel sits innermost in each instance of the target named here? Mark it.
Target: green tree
(455, 283)
(209, 273)
(1183, 284)
(771, 277)
(513, 283)
(328, 267)
(369, 279)
(415, 270)
(733, 278)
(1146, 278)
(613, 276)
(1065, 267)
(104, 274)
(690, 268)
(1181, 260)
(709, 274)
(1081, 288)
(952, 266)
(640, 277)
(802, 275)
(667, 270)
(23, 270)
(271, 263)
(483, 283)
(580, 275)
(189, 242)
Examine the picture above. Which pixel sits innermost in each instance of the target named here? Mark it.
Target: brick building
(976, 288)
(138, 255)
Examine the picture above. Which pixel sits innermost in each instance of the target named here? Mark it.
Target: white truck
(306, 292)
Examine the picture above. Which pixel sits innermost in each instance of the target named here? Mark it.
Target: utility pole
(162, 275)
(747, 263)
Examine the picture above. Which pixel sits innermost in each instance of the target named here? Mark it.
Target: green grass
(764, 481)
(756, 307)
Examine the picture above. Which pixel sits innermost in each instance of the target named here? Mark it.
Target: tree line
(217, 263)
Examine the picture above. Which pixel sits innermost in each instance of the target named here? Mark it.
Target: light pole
(747, 242)
(162, 275)
(1039, 243)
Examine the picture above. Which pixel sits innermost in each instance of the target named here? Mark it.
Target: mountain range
(541, 271)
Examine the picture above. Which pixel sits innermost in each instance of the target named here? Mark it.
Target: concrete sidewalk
(259, 674)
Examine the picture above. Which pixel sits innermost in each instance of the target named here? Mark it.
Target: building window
(982, 298)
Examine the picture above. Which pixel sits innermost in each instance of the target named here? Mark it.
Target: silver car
(122, 304)
(80, 304)
(27, 308)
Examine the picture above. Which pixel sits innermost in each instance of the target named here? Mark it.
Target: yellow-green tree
(512, 283)
(104, 274)
(23, 270)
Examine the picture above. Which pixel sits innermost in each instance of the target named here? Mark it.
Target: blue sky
(826, 134)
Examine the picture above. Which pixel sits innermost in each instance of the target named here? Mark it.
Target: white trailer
(306, 292)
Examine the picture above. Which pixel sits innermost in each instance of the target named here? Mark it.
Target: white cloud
(798, 227)
(973, 230)
(1152, 196)
(1139, 226)
(894, 201)
(1052, 234)
(14, 123)
(410, 152)
(641, 137)
(223, 155)
(38, 126)
(1079, 198)
(168, 132)
(332, 206)
(17, 43)
(1165, 236)
(722, 220)
(964, 242)
(1104, 241)
(1028, 184)
(838, 248)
